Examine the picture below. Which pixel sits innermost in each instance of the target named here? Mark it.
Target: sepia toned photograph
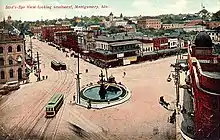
(109, 70)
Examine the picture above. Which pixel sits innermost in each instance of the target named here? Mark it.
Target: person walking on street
(124, 74)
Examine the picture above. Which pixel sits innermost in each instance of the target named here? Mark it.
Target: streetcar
(62, 66)
(54, 105)
(55, 65)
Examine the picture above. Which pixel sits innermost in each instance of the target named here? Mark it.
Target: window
(2, 75)
(10, 61)
(9, 49)
(11, 73)
(1, 49)
(18, 48)
(1, 62)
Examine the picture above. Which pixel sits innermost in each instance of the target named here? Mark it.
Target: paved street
(22, 112)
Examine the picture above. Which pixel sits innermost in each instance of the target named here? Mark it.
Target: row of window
(11, 74)
(148, 49)
(10, 61)
(10, 49)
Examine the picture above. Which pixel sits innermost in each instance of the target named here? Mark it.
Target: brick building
(12, 58)
(160, 43)
(147, 23)
(67, 39)
(36, 31)
(49, 30)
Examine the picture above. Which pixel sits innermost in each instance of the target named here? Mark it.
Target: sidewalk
(183, 120)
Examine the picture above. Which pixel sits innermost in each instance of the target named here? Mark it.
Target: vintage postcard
(109, 70)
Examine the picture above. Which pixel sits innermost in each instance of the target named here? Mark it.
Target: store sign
(120, 55)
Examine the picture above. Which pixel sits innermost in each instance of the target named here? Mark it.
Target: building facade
(160, 43)
(173, 26)
(49, 30)
(147, 23)
(115, 51)
(36, 31)
(196, 28)
(173, 43)
(215, 35)
(12, 58)
(119, 23)
(66, 39)
(146, 45)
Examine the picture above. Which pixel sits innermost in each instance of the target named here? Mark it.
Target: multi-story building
(215, 35)
(12, 58)
(173, 26)
(147, 23)
(36, 31)
(119, 23)
(49, 30)
(213, 24)
(195, 28)
(78, 28)
(147, 44)
(115, 51)
(67, 39)
(173, 43)
(160, 43)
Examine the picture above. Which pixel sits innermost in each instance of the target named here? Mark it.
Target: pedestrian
(87, 70)
(124, 74)
(74, 98)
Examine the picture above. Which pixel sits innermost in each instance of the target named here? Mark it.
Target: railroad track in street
(36, 118)
(41, 101)
(41, 113)
(82, 119)
(67, 91)
(43, 129)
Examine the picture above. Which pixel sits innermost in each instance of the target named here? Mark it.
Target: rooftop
(114, 38)
(109, 52)
(125, 43)
(119, 37)
(6, 36)
(65, 32)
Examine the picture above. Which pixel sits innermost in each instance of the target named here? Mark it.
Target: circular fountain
(112, 93)
(104, 94)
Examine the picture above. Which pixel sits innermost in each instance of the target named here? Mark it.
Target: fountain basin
(92, 93)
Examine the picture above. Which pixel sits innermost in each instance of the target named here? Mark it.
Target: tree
(121, 16)
(216, 16)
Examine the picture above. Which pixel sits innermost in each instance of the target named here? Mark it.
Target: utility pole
(38, 65)
(78, 81)
(106, 71)
(177, 82)
(31, 50)
(142, 46)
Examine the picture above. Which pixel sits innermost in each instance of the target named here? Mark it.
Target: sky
(126, 7)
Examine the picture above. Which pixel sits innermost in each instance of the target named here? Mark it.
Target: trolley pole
(38, 65)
